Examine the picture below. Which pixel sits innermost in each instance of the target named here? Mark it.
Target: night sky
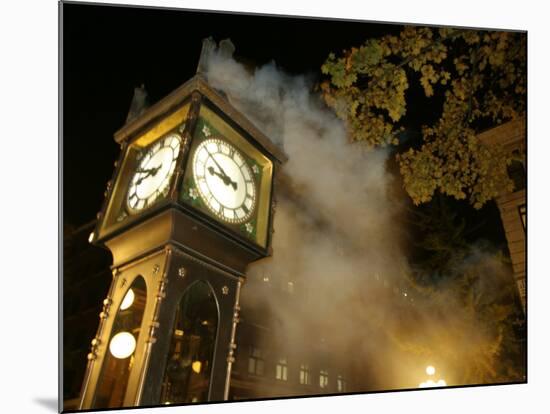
(109, 50)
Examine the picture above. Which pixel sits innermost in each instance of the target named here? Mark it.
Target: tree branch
(475, 54)
(423, 51)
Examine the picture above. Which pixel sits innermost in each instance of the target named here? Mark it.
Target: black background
(109, 50)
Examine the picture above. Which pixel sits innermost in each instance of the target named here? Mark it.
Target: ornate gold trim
(232, 345)
(154, 324)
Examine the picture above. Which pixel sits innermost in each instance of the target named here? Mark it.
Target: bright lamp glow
(122, 345)
(430, 370)
(196, 366)
(128, 300)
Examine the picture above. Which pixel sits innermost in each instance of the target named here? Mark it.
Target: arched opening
(119, 355)
(190, 356)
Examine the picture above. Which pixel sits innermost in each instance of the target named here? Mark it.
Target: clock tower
(190, 205)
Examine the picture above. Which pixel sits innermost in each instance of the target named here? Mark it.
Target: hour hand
(225, 178)
(218, 165)
(140, 179)
(149, 171)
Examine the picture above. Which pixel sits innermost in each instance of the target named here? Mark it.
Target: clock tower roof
(181, 94)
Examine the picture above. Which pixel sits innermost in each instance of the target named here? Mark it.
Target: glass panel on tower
(119, 352)
(189, 361)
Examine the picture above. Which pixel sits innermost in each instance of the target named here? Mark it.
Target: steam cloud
(338, 241)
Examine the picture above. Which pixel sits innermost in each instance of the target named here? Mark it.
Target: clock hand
(144, 170)
(226, 180)
(138, 182)
(148, 172)
(217, 164)
(156, 170)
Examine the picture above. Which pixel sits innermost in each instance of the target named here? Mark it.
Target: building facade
(513, 205)
(269, 365)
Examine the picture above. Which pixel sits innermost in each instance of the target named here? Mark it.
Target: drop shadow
(49, 403)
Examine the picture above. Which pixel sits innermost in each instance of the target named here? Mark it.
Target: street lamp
(430, 370)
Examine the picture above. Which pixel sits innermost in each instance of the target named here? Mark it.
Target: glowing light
(122, 345)
(128, 300)
(178, 332)
(196, 366)
(91, 237)
(430, 370)
(266, 278)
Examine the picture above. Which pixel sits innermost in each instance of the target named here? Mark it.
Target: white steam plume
(336, 238)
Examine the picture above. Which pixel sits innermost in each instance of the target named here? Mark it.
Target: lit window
(340, 383)
(523, 214)
(304, 374)
(323, 378)
(281, 369)
(256, 361)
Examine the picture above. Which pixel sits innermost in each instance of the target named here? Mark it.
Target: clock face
(224, 180)
(152, 176)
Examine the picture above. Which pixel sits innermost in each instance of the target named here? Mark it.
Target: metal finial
(208, 46)
(139, 103)
(227, 48)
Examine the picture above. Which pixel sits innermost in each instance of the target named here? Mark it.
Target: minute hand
(225, 178)
(148, 172)
(217, 164)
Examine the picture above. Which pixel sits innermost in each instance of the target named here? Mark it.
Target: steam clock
(189, 207)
